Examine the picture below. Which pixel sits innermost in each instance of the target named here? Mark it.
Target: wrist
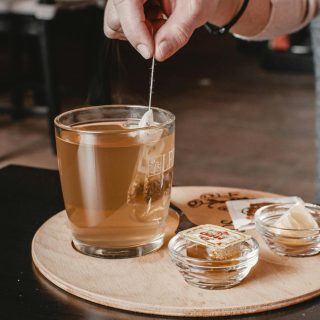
(224, 11)
(253, 21)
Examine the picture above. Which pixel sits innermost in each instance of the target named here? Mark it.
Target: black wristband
(212, 29)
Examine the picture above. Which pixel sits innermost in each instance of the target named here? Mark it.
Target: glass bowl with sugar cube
(290, 229)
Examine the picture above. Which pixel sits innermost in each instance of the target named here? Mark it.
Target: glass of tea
(116, 178)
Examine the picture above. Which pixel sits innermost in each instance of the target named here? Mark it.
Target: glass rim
(58, 124)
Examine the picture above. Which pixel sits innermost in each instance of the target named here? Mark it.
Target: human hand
(172, 22)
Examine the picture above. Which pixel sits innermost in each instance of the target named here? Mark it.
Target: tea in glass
(116, 178)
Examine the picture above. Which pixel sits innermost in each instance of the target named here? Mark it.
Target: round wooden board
(152, 284)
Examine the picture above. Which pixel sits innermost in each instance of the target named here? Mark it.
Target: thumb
(174, 34)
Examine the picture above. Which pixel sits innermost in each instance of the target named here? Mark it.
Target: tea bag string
(151, 82)
(147, 119)
(152, 76)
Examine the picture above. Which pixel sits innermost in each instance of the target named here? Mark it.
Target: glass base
(291, 251)
(117, 253)
(212, 286)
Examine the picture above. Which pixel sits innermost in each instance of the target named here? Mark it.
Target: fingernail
(164, 50)
(144, 51)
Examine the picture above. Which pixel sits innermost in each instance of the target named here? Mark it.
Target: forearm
(265, 19)
(253, 21)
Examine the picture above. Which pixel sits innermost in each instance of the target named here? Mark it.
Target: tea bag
(147, 118)
(145, 190)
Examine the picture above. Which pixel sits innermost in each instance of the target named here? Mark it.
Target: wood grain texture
(152, 285)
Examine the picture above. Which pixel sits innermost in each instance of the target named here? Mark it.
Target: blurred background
(245, 111)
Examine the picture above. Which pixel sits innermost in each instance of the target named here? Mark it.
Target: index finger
(134, 25)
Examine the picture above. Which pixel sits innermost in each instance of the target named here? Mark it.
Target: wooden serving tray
(152, 284)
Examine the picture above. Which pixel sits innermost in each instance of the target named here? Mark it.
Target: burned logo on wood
(216, 200)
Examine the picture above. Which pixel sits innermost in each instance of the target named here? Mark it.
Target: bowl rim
(260, 222)
(253, 254)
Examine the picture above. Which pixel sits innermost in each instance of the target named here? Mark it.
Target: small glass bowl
(209, 274)
(288, 242)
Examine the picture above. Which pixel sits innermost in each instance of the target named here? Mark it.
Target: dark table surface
(30, 196)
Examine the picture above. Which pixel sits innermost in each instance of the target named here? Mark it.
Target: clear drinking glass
(116, 178)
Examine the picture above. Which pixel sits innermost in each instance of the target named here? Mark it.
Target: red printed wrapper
(221, 243)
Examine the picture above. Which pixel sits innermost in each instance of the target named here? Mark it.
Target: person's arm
(265, 19)
(253, 21)
(162, 37)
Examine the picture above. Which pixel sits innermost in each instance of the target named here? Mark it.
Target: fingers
(133, 22)
(156, 18)
(173, 35)
(126, 19)
(112, 34)
(112, 27)
(177, 31)
(157, 24)
(112, 24)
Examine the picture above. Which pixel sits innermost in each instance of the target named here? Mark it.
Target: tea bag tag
(147, 119)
